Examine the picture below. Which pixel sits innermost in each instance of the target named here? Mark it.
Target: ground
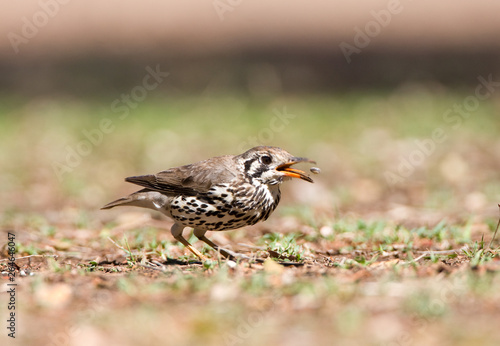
(390, 246)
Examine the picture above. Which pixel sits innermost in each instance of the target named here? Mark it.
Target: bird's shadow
(174, 261)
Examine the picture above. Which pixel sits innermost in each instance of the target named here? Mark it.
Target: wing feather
(189, 180)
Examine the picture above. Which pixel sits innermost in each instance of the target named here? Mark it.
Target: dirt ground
(351, 282)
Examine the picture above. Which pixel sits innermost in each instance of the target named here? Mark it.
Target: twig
(119, 246)
(30, 256)
(496, 230)
(252, 246)
(416, 259)
(154, 265)
(444, 252)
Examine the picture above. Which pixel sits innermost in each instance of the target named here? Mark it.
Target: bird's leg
(176, 231)
(226, 253)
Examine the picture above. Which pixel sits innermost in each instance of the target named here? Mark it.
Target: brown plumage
(221, 193)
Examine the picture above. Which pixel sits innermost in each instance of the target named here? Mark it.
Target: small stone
(315, 170)
(231, 264)
(326, 231)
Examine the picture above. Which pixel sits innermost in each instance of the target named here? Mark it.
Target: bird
(221, 193)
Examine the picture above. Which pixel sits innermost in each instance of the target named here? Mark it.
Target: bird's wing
(189, 180)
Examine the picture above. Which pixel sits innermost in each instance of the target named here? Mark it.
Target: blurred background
(398, 101)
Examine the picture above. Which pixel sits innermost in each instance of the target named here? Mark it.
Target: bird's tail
(122, 201)
(144, 198)
(129, 200)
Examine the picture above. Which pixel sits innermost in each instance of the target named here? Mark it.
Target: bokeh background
(382, 94)
(361, 82)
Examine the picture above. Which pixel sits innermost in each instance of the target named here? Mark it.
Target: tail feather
(144, 198)
(121, 201)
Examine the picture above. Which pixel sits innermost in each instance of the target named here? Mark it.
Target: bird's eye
(266, 159)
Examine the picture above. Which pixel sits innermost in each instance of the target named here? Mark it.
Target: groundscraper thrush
(221, 193)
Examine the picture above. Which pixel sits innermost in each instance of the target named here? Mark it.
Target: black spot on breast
(267, 213)
(260, 194)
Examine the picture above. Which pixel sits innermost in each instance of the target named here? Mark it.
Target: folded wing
(188, 180)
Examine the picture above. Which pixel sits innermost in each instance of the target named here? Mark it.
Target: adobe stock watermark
(121, 106)
(223, 6)
(31, 25)
(453, 119)
(246, 326)
(363, 36)
(12, 285)
(266, 135)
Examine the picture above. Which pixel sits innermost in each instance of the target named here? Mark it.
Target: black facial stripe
(259, 171)
(248, 164)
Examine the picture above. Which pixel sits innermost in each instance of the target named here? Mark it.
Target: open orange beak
(295, 173)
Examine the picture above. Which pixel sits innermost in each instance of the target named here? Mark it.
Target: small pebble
(315, 170)
(231, 264)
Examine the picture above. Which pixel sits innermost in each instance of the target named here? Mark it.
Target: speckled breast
(225, 207)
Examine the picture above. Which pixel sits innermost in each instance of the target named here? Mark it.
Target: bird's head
(271, 165)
